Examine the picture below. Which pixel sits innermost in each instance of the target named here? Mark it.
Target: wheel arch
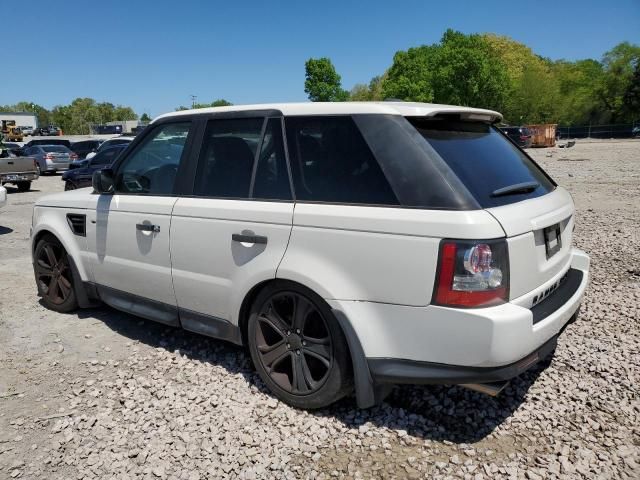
(367, 394)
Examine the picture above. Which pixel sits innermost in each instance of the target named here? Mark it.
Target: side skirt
(164, 313)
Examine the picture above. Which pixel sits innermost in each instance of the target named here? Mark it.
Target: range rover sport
(349, 246)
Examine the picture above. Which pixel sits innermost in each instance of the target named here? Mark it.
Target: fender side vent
(77, 223)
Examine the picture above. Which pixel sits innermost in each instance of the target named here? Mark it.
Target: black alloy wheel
(298, 347)
(53, 275)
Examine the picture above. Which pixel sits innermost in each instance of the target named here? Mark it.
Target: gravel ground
(101, 394)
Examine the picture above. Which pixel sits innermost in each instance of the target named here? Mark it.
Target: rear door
(232, 233)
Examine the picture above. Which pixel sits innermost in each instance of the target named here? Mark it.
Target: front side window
(331, 162)
(225, 164)
(152, 167)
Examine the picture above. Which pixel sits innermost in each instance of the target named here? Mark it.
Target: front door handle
(147, 227)
(239, 237)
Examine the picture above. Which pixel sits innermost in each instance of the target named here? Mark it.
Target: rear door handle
(147, 227)
(239, 237)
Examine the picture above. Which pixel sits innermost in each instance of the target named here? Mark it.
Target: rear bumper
(18, 177)
(432, 344)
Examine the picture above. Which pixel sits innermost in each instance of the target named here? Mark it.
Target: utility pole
(193, 100)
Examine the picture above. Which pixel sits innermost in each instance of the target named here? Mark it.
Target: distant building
(22, 119)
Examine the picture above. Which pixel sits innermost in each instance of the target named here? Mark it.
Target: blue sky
(152, 55)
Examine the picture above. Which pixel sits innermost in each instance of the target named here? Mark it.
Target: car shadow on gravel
(435, 412)
(5, 230)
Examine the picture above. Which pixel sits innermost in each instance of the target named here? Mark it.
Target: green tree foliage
(145, 118)
(78, 116)
(322, 83)
(619, 65)
(221, 102)
(366, 93)
(460, 69)
(631, 98)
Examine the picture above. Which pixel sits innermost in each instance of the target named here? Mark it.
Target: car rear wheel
(298, 347)
(54, 278)
(24, 186)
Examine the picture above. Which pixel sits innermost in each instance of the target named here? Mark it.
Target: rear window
(483, 160)
(56, 149)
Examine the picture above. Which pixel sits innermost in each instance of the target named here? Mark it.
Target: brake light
(73, 156)
(49, 156)
(472, 274)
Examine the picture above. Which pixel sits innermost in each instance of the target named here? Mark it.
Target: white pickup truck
(20, 171)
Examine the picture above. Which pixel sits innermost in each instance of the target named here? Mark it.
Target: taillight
(73, 156)
(49, 156)
(472, 273)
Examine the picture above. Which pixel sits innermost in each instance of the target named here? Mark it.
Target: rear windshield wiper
(525, 187)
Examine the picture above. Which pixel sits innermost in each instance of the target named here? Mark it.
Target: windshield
(56, 149)
(484, 160)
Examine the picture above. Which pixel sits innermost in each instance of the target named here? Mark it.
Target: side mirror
(102, 181)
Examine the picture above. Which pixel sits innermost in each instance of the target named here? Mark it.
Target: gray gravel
(101, 394)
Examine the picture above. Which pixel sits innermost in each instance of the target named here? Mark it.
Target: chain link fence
(625, 130)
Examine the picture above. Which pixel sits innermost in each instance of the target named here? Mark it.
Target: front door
(233, 232)
(128, 236)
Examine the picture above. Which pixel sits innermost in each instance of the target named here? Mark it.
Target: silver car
(51, 158)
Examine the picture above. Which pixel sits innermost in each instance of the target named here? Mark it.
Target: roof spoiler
(486, 116)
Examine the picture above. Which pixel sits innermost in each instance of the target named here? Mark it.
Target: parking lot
(102, 394)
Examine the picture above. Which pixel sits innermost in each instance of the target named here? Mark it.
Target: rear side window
(483, 160)
(225, 165)
(331, 162)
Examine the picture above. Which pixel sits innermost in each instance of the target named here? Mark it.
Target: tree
(365, 93)
(145, 118)
(323, 84)
(631, 98)
(221, 102)
(461, 69)
(619, 65)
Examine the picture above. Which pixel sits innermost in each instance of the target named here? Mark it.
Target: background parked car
(51, 158)
(520, 135)
(3, 196)
(50, 130)
(85, 147)
(16, 169)
(27, 130)
(48, 141)
(80, 172)
(11, 145)
(110, 143)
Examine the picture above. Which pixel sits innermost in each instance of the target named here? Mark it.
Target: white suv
(348, 245)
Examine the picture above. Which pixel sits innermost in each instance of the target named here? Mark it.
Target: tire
(69, 185)
(24, 186)
(53, 274)
(298, 347)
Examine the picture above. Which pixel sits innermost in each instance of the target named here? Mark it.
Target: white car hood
(80, 198)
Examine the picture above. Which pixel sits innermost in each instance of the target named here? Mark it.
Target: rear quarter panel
(377, 254)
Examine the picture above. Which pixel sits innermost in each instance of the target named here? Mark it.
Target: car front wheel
(69, 185)
(54, 278)
(298, 347)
